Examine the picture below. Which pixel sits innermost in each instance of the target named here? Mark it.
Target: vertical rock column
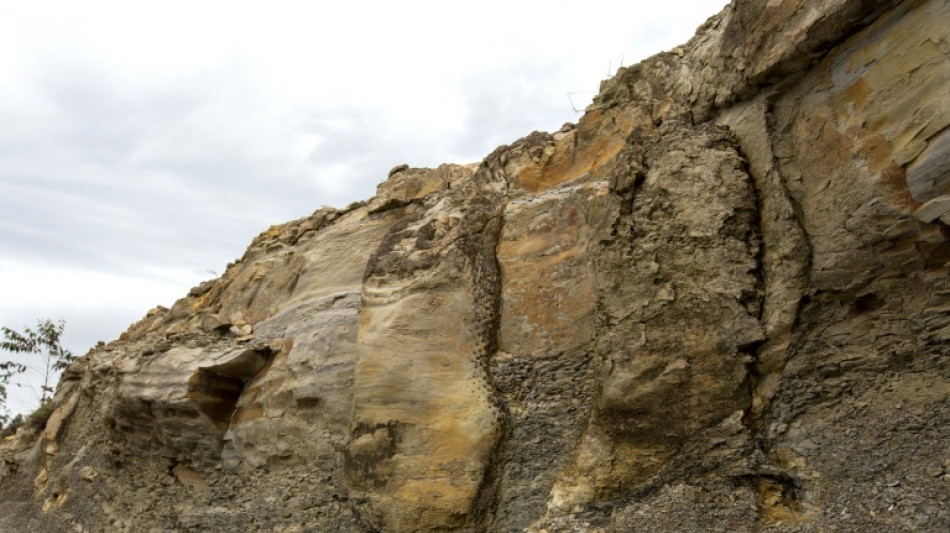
(425, 420)
(679, 299)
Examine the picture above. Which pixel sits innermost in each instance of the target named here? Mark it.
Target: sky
(144, 144)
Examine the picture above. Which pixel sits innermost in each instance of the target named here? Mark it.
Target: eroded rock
(720, 301)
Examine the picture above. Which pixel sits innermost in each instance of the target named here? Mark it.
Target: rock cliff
(720, 301)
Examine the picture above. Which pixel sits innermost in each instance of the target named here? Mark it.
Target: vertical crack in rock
(786, 252)
(427, 327)
(557, 210)
(785, 265)
(480, 244)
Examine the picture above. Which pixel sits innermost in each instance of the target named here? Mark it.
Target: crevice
(790, 271)
(778, 497)
(216, 390)
(293, 283)
(625, 182)
(486, 272)
(754, 300)
(866, 303)
(779, 177)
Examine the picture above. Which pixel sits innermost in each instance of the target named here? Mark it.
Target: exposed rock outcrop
(720, 301)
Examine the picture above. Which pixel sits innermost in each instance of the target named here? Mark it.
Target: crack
(486, 273)
(784, 261)
(780, 179)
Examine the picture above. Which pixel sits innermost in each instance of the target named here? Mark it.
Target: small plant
(8, 369)
(38, 419)
(44, 341)
(11, 427)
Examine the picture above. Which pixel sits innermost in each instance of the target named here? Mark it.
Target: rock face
(719, 302)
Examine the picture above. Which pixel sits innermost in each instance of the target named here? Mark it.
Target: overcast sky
(144, 144)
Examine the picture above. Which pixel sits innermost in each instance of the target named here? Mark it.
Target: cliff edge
(720, 301)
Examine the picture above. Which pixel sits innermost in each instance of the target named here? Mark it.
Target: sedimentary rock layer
(720, 301)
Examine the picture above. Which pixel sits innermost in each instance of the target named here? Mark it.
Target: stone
(190, 479)
(407, 184)
(933, 209)
(928, 175)
(397, 169)
(719, 301)
(88, 473)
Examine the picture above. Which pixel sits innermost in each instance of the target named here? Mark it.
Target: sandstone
(933, 209)
(720, 301)
(406, 184)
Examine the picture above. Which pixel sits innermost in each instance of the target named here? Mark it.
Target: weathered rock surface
(719, 302)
